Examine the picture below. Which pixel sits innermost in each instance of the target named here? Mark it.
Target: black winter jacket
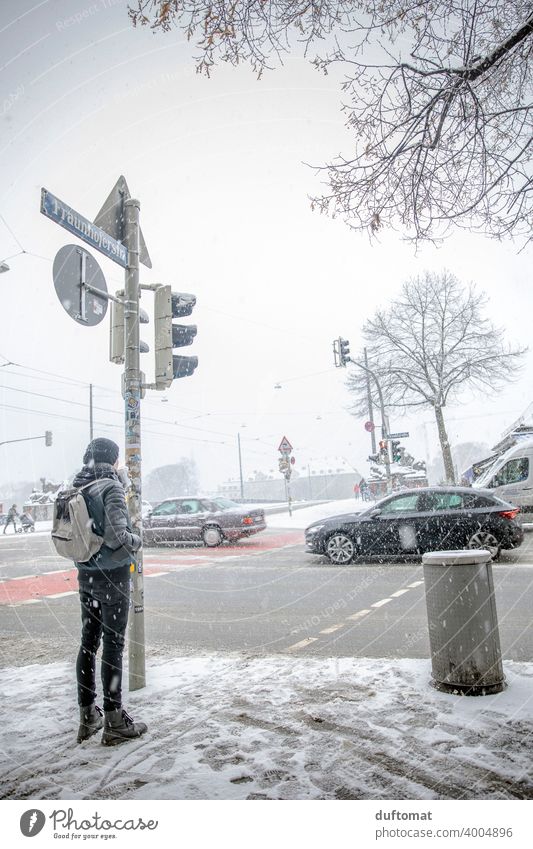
(107, 507)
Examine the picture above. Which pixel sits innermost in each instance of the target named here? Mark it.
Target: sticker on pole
(285, 446)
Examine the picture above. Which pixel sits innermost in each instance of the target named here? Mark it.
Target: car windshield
(225, 503)
(483, 480)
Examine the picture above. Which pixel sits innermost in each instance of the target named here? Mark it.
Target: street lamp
(3, 267)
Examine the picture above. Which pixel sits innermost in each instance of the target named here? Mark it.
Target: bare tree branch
(441, 136)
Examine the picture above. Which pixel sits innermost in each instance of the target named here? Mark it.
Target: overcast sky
(219, 168)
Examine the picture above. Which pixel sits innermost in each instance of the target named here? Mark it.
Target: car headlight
(314, 529)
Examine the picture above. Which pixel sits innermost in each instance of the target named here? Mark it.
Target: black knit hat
(101, 451)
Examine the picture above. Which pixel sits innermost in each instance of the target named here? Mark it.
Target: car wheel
(212, 537)
(487, 540)
(340, 549)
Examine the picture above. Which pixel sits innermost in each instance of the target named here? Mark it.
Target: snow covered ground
(273, 728)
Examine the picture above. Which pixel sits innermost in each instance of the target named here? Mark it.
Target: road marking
(333, 628)
(59, 595)
(303, 643)
(23, 577)
(56, 572)
(398, 593)
(359, 614)
(155, 574)
(415, 584)
(28, 601)
(381, 602)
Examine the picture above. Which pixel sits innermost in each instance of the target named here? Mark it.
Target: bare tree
(437, 94)
(431, 344)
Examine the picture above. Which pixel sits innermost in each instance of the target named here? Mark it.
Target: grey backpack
(72, 529)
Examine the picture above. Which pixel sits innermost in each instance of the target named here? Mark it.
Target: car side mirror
(375, 512)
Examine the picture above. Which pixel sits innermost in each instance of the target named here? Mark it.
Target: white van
(511, 477)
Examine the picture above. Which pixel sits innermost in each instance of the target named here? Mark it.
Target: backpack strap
(81, 488)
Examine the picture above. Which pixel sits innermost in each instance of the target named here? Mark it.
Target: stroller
(27, 523)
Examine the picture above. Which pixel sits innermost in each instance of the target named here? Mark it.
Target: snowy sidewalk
(273, 728)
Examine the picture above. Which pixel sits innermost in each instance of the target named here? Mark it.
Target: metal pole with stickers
(81, 288)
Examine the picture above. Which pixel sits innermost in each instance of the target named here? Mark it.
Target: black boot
(120, 727)
(90, 722)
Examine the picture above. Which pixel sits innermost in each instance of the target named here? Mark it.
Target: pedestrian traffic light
(396, 451)
(169, 305)
(48, 437)
(344, 351)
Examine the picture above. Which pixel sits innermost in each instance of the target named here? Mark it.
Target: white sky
(218, 166)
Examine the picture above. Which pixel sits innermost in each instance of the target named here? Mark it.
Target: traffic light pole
(370, 406)
(132, 402)
(24, 439)
(384, 420)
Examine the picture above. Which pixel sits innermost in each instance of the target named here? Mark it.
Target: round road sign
(74, 268)
(370, 426)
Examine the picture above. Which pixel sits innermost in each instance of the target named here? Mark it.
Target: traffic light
(116, 333)
(344, 351)
(116, 328)
(336, 353)
(383, 450)
(169, 305)
(48, 437)
(396, 451)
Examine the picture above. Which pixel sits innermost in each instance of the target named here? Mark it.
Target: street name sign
(76, 277)
(81, 227)
(397, 435)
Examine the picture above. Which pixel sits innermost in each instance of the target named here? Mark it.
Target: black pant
(104, 612)
(10, 522)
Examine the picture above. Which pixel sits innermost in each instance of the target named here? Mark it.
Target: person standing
(104, 587)
(11, 516)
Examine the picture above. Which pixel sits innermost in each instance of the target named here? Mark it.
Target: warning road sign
(285, 446)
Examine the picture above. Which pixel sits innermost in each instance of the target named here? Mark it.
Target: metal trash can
(463, 624)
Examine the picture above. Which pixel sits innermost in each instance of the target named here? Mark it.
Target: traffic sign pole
(132, 401)
(285, 449)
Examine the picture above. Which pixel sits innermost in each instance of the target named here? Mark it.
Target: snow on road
(279, 728)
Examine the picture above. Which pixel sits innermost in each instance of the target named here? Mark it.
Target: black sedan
(418, 520)
(200, 520)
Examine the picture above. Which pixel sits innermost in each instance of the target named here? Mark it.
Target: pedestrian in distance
(12, 514)
(104, 587)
